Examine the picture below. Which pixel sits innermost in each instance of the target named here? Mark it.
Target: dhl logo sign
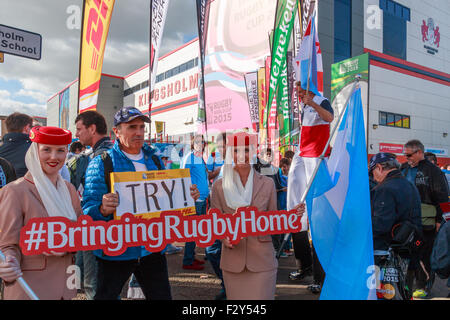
(96, 20)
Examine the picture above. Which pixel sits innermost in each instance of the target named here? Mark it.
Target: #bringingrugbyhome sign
(59, 234)
(148, 193)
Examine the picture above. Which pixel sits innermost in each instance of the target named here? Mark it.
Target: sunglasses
(409, 155)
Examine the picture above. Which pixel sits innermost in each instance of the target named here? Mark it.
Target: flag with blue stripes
(338, 206)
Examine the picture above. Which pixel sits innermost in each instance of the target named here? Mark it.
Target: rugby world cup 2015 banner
(96, 21)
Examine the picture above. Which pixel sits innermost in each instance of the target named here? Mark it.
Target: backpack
(77, 166)
(108, 167)
(440, 256)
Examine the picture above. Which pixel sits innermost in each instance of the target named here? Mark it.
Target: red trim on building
(155, 112)
(112, 76)
(407, 72)
(63, 89)
(173, 102)
(103, 74)
(406, 63)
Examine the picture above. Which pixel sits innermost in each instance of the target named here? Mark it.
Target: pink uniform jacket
(47, 276)
(257, 254)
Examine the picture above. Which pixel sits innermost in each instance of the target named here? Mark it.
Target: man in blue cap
(129, 153)
(393, 200)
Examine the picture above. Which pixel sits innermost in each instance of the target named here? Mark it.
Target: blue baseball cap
(127, 114)
(380, 158)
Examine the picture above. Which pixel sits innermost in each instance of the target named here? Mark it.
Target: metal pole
(21, 282)
(322, 156)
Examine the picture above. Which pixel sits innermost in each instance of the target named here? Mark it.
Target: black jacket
(432, 185)
(13, 148)
(8, 172)
(393, 201)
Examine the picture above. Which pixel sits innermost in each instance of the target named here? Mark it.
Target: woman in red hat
(40, 193)
(249, 267)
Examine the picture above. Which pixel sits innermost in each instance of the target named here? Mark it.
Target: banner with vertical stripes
(284, 22)
(202, 23)
(96, 21)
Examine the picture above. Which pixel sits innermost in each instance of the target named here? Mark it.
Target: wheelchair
(393, 263)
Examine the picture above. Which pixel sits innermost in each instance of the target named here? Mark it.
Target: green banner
(344, 72)
(284, 23)
(283, 106)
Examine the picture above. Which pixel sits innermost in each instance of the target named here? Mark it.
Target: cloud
(35, 95)
(126, 49)
(8, 106)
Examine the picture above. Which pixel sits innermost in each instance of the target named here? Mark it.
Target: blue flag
(339, 212)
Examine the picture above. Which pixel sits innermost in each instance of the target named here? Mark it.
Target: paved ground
(203, 285)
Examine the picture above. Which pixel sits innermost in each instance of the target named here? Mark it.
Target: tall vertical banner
(294, 112)
(64, 107)
(202, 23)
(283, 106)
(96, 20)
(284, 22)
(160, 130)
(251, 83)
(261, 103)
(158, 14)
(236, 44)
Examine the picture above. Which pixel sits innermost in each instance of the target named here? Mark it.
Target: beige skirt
(248, 285)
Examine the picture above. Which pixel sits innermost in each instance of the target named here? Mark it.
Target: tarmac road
(204, 285)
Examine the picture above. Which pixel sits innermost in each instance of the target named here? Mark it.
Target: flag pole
(322, 156)
(150, 74)
(30, 293)
(79, 58)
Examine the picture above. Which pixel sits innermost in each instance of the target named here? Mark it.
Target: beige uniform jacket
(257, 254)
(47, 276)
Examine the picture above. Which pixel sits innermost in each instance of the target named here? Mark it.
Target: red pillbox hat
(50, 135)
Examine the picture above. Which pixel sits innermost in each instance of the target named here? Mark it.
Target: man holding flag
(339, 212)
(316, 116)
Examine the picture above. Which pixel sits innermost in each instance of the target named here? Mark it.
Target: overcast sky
(26, 85)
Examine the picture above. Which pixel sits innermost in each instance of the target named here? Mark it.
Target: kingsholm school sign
(20, 42)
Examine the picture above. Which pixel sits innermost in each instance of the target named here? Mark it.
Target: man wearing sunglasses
(393, 200)
(433, 190)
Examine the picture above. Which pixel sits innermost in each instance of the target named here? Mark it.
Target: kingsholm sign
(20, 42)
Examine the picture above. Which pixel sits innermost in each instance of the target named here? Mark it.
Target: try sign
(148, 193)
(20, 42)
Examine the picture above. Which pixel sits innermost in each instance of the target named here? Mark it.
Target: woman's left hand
(300, 208)
(195, 194)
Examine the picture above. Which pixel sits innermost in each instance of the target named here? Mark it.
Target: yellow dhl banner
(146, 194)
(96, 21)
(159, 127)
(262, 102)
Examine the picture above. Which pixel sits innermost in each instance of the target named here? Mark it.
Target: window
(163, 76)
(342, 30)
(395, 17)
(394, 120)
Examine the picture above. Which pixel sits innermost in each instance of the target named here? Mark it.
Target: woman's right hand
(227, 243)
(10, 269)
(110, 202)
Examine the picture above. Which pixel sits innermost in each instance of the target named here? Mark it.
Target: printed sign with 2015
(220, 118)
(220, 111)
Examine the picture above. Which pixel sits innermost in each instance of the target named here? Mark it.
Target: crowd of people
(41, 176)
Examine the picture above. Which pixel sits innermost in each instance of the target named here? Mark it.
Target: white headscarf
(236, 195)
(57, 200)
